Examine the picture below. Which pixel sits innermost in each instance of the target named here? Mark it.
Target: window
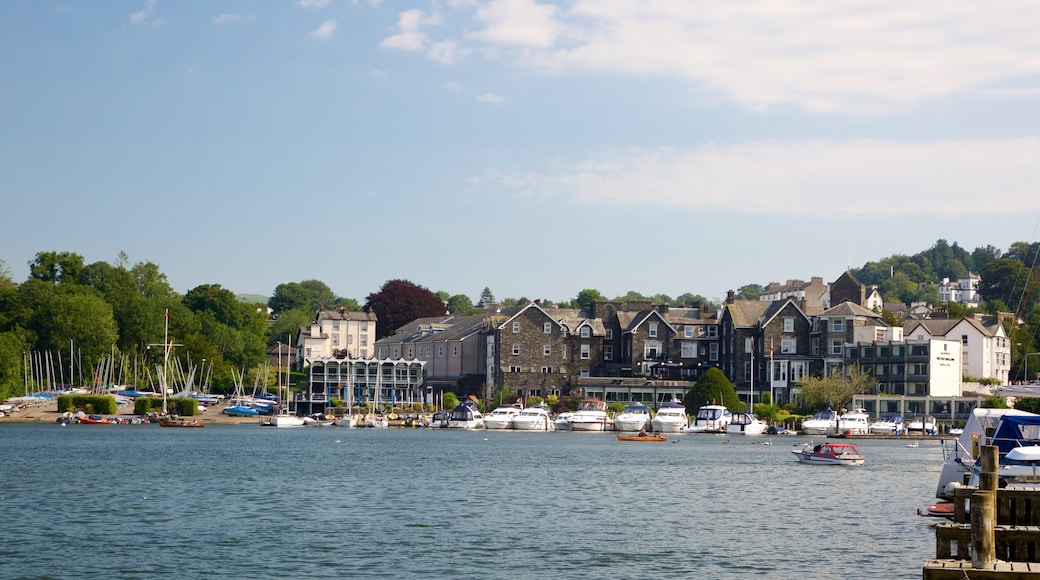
(411, 352)
(335, 325)
(440, 350)
(713, 351)
(364, 340)
(689, 350)
(397, 353)
(788, 324)
(789, 345)
(364, 327)
(547, 328)
(454, 350)
(610, 334)
(689, 331)
(713, 331)
(585, 351)
(653, 329)
(516, 327)
(516, 348)
(816, 346)
(514, 369)
(749, 344)
(608, 352)
(584, 372)
(547, 350)
(964, 339)
(586, 332)
(335, 340)
(837, 325)
(837, 346)
(546, 370)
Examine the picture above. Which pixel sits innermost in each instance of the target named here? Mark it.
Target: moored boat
(590, 416)
(822, 423)
(180, 422)
(856, 422)
(534, 418)
(671, 418)
(502, 417)
(466, 416)
(710, 419)
(829, 454)
(746, 424)
(635, 417)
(644, 438)
(888, 424)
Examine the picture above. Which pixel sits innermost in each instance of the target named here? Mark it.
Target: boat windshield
(710, 414)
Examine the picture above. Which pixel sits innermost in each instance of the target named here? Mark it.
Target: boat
(635, 417)
(645, 437)
(95, 420)
(710, 419)
(180, 422)
(889, 424)
(240, 408)
(856, 422)
(746, 424)
(590, 416)
(671, 418)
(960, 454)
(376, 421)
(924, 425)
(563, 421)
(319, 420)
(466, 416)
(502, 417)
(536, 418)
(829, 454)
(1017, 438)
(822, 423)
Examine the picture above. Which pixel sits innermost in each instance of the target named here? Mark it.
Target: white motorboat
(501, 417)
(829, 454)
(671, 417)
(746, 424)
(535, 418)
(375, 421)
(924, 425)
(563, 421)
(710, 419)
(856, 422)
(1008, 429)
(284, 419)
(348, 421)
(822, 423)
(590, 416)
(466, 416)
(890, 424)
(635, 417)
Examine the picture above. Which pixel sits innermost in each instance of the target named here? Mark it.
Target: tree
(290, 296)
(486, 297)
(319, 293)
(6, 281)
(749, 292)
(399, 302)
(289, 323)
(712, 387)
(57, 267)
(836, 390)
(461, 305)
(586, 297)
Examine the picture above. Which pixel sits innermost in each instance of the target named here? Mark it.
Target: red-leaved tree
(399, 302)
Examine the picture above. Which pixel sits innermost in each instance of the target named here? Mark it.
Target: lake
(140, 501)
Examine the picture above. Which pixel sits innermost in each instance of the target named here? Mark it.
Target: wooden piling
(984, 512)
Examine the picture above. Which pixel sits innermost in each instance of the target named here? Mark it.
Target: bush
(91, 404)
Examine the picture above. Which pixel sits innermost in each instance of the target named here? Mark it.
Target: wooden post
(984, 512)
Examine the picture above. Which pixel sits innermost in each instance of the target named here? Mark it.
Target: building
(338, 334)
(963, 291)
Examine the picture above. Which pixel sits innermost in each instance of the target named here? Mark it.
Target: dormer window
(586, 332)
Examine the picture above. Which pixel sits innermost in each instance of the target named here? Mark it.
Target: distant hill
(252, 298)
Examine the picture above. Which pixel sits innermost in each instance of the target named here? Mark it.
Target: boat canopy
(463, 412)
(1016, 431)
(711, 412)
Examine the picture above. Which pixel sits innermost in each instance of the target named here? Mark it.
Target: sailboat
(283, 418)
(167, 420)
(239, 406)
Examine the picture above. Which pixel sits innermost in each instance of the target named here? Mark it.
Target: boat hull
(643, 439)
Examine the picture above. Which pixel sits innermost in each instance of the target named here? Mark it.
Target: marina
(333, 503)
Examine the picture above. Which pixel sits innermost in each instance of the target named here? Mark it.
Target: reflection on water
(136, 501)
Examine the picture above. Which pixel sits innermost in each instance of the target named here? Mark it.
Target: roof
(747, 313)
(849, 309)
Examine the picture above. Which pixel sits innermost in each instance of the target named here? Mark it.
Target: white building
(985, 348)
(338, 334)
(964, 291)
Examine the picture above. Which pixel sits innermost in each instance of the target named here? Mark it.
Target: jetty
(994, 533)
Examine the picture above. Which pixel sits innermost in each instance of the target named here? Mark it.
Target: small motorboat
(829, 454)
(180, 422)
(643, 437)
(941, 509)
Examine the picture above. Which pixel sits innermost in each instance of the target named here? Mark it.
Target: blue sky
(538, 149)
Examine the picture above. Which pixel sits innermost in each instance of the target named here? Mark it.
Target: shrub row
(90, 404)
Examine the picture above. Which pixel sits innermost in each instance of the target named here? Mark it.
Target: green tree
(586, 297)
(1005, 280)
(749, 292)
(712, 388)
(486, 297)
(450, 400)
(78, 314)
(290, 296)
(319, 293)
(289, 323)
(461, 305)
(835, 390)
(57, 267)
(5, 276)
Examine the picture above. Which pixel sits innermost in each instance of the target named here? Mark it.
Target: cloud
(807, 178)
(518, 22)
(318, 4)
(409, 35)
(491, 98)
(326, 30)
(142, 16)
(226, 18)
(857, 56)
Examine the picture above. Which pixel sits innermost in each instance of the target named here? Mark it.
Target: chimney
(730, 297)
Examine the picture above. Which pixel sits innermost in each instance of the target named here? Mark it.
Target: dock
(994, 533)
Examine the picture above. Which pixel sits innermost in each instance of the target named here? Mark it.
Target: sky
(533, 148)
